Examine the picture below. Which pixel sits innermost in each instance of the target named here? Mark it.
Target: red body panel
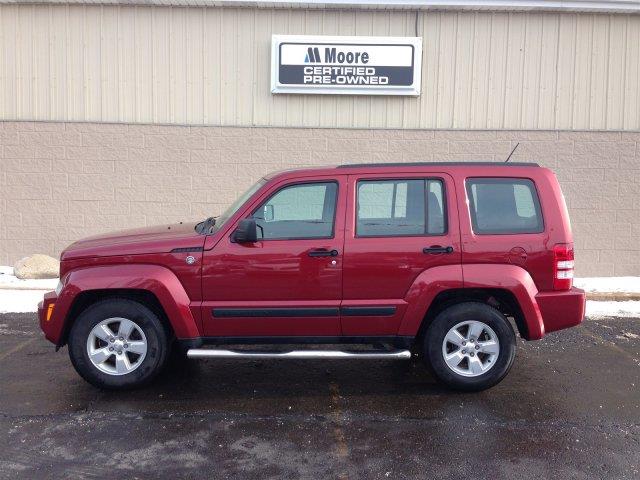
(537, 247)
(148, 240)
(188, 275)
(382, 273)
(382, 270)
(274, 273)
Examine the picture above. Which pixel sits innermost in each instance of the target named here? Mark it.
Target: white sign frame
(384, 45)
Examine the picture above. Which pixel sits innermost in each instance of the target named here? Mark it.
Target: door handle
(434, 249)
(323, 252)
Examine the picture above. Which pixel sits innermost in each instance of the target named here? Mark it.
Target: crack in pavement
(339, 418)
(16, 349)
(591, 334)
(342, 449)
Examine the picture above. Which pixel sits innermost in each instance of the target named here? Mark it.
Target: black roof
(439, 164)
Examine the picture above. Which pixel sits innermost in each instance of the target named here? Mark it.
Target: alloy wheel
(470, 348)
(116, 346)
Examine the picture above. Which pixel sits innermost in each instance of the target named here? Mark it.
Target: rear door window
(403, 207)
(504, 206)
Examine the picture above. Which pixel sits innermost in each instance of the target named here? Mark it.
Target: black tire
(450, 317)
(157, 341)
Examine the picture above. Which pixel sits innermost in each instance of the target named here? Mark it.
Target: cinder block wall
(63, 181)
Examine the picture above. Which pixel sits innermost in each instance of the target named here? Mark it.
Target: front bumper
(49, 324)
(561, 310)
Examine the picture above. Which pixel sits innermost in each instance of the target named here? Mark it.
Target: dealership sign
(346, 65)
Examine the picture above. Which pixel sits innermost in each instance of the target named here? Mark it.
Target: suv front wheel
(118, 344)
(470, 346)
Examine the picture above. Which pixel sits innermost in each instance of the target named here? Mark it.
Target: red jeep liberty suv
(443, 260)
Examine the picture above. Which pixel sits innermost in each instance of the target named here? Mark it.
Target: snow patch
(9, 281)
(20, 301)
(608, 284)
(613, 309)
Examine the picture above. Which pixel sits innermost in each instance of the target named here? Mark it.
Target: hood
(157, 239)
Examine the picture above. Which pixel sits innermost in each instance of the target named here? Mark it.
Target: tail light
(563, 266)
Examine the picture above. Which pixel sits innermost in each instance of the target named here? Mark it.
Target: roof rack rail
(438, 164)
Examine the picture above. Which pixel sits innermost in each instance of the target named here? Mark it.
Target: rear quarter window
(504, 206)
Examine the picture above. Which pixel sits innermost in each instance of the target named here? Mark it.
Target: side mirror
(246, 231)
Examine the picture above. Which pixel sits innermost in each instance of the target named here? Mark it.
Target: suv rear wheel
(118, 344)
(470, 346)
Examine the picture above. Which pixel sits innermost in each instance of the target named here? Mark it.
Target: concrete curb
(613, 296)
(36, 289)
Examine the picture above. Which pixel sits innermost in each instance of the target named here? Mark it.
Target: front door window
(297, 212)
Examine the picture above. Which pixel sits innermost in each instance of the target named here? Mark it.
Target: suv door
(398, 226)
(289, 282)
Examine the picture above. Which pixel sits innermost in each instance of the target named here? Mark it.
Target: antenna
(514, 149)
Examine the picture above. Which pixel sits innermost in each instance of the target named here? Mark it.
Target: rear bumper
(561, 310)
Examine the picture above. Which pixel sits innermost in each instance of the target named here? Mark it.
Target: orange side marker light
(49, 311)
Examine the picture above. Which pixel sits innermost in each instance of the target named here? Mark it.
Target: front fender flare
(158, 280)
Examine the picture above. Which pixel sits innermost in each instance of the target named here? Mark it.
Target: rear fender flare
(424, 289)
(517, 281)
(159, 281)
(435, 280)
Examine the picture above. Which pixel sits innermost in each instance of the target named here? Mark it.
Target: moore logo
(333, 55)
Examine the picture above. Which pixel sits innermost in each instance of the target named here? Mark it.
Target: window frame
(296, 184)
(502, 180)
(445, 207)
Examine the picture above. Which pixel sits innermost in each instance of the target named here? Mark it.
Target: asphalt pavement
(570, 408)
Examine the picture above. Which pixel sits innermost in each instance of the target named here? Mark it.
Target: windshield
(233, 208)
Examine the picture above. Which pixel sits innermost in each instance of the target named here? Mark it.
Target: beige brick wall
(63, 181)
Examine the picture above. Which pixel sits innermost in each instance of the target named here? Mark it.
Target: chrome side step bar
(298, 354)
